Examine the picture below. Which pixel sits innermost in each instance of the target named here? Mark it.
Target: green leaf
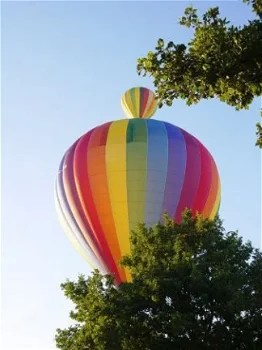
(221, 60)
(188, 278)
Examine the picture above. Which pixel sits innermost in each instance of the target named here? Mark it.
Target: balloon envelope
(130, 171)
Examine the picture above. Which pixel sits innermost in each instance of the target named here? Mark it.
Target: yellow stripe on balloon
(213, 191)
(116, 177)
(129, 103)
(137, 102)
(153, 106)
(217, 202)
(125, 106)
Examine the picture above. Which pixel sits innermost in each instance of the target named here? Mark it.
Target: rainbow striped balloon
(130, 171)
(139, 102)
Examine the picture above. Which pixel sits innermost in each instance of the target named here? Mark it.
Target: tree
(194, 287)
(221, 61)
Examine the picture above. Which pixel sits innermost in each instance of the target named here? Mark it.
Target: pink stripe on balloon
(192, 175)
(205, 179)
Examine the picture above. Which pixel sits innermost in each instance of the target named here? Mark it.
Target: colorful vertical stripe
(130, 171)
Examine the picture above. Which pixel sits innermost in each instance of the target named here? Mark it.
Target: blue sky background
(65, 66)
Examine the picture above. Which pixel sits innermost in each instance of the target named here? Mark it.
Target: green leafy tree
(194, 287)
(221, 61)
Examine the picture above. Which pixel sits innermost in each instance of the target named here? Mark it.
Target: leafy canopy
(221, 61)
(194, 287)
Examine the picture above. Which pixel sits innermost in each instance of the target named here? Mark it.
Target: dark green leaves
(221, 61)
(194, 287)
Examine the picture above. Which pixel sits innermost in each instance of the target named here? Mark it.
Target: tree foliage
(221, 61)
(194, 287)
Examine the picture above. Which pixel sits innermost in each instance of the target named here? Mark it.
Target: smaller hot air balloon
(129, 171)
(139, 102)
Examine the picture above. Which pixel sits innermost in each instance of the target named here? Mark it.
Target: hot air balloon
(127, 172)
(139, 102)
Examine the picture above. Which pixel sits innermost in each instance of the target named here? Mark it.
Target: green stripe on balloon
(136, 170)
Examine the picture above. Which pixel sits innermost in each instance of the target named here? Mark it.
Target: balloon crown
(139, 102)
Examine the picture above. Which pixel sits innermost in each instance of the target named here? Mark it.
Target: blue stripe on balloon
(176, 169)
(65, 222)
(157, 161)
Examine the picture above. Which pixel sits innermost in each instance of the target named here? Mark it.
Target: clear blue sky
(64, 68)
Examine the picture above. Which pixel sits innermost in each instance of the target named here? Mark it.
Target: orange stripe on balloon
(85, 195)
(100, 193)
(213, 191)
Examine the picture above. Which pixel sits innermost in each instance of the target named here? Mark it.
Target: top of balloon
(139, 102)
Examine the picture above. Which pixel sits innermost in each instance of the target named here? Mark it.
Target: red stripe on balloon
(205, 179)
(80, 165)
(144, 96)
(192, 176)
(86, 197)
